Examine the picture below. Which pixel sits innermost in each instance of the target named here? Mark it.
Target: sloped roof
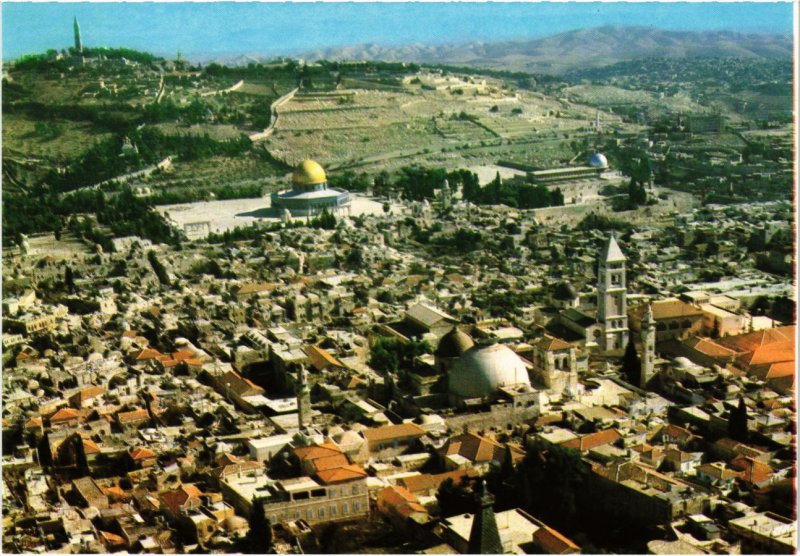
(426, 482)
(65, 414)
(478, 449)
(427, 316)
(239, 385)
(760, 338)
(753, 471)
(593, 440)
(181, 496)
(612, 253)
(710, 347)
(315, 452)
(141, 453)
(400, 501)
(321, 358)
(330, 462)
(390, 432)
(90, 446)
(550, 343)
(341, 474)
(88, 393)
(135, 415)
(553, 542)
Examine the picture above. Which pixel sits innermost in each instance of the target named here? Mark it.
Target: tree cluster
(391, 354)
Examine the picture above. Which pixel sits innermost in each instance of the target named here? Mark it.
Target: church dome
(564, 291)
(483, 369)
(454, 343)
(598, 160)
(308, 172)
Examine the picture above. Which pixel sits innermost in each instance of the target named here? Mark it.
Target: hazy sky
(217, 28)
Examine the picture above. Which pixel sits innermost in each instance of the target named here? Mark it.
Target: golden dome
(308, 172)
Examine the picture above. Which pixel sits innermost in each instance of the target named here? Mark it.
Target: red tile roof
(133, 416)
(341, 474)
(553, 542)
(479, 449)
(426, 482)
(392, 432)
(321, 359)
(141, 453)
(593, 440)
(65, 414)
(753, 471)
(181, 497)
(314, 452)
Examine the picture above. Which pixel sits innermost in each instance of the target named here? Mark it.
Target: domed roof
(235, 522)
(454, 343)
(598, 160)
(349, 438)
(564, 291)
(483, 369)
(308, 172)
(683, 363)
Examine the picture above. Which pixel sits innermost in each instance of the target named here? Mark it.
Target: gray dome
(483, 369)
(349, 438)
(564, 291)
(454, 343)
(598, 160)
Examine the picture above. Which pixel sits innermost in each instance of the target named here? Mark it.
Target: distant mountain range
(584, 48)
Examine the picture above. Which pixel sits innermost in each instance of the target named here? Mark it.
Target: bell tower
(611, 296)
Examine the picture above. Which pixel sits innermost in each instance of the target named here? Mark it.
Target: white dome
(598, 160)
(483, 369)
(683, 363)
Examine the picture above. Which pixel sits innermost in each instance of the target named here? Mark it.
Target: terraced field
(357, 127)
(605, 95)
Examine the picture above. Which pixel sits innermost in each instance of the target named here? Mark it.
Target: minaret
(303, 398)
(484, 538)
(78, 43)
(648, 333)
(611, 292)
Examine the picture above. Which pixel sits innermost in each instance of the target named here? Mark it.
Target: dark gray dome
(454, 343)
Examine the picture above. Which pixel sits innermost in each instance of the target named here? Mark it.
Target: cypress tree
(737, 422)
(259, 537)
(631, 365)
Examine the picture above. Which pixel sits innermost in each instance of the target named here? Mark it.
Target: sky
(275, 28)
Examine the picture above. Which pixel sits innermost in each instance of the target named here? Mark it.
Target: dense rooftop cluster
(158, 399)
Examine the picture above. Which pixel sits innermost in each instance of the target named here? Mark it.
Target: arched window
(686, 324)
(661, 326)
(674, 325)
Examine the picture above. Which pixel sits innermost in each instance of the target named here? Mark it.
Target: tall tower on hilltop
(648, 333)
(611, 296)
(78, 43)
